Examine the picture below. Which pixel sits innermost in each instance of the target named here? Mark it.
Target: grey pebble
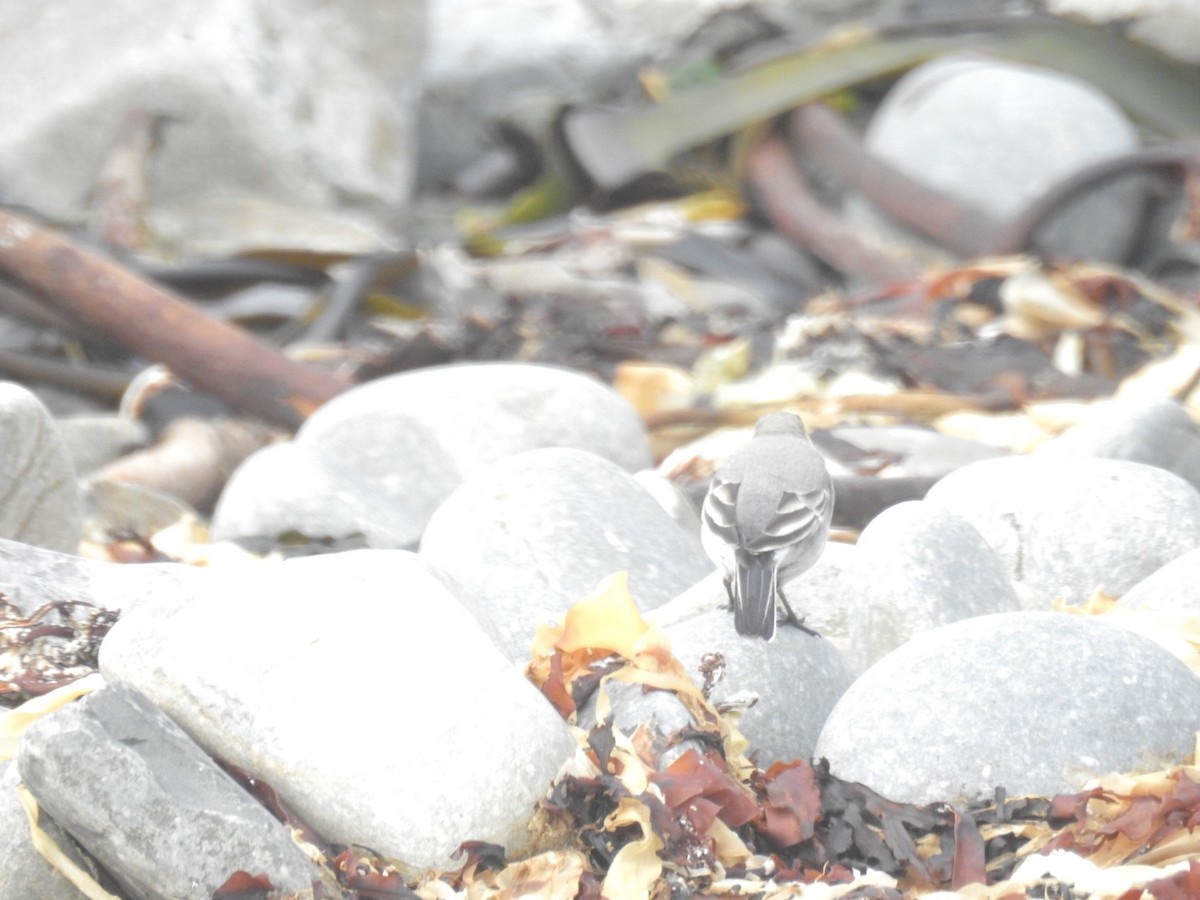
(1035, 702)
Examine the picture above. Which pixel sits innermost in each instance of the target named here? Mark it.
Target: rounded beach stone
(1175, 586)
(920, 566)
(288, 487)
(1068, 527)
(527, 537)
(362, 691)
(797, 678)
(1041, 126)
(1035, 702)
(380, 458)
(1155, 431)
(479, 413)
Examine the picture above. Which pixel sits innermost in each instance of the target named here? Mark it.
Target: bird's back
(778, 464)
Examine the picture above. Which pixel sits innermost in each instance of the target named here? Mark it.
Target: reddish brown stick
(950, 221)
(154, 322)
(793, 209)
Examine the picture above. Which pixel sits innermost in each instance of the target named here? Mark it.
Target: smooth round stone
(825, 595)
(797, 678)
(479, 413)
(288, 487)
(525, 538)
(1068, 527)
(40, 501)
(1157, 432)
(1041, 126)
(380, 458)
(354, 684)
(1175, 586)
(920, 566)
(1035, 702)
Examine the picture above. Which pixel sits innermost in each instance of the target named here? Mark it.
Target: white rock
(381, 457)
(921, 566)
(797, 679)
(481, 412)
(1038, 127)
(1154, 431)
(1035, 702)
(1173, 587)
(1068, 527)
(290, 487)
(535, 532)
(362, 691)
(825, 594)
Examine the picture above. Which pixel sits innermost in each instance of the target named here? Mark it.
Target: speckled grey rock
(825, 594)
(1175, 586)
(25, 875)
(782, 691)
(39, 500)
(527, 537)
(380, 458)
(30, 577)
(1157, 432)
(1035, 702)
(412, 687)
(1067, 527)
(822, 595)
(920, 566)
(1040, 127)
(146, 802)
(797, 679)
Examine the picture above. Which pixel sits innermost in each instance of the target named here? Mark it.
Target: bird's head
(785, 423)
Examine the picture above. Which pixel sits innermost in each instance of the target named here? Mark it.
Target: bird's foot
(799, 623)
(791, 618)
(729, 592)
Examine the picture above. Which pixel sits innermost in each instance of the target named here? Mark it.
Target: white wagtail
(767, 512)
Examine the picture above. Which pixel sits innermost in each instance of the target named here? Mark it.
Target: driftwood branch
(154, 322)
(794, 210)
(816, 129)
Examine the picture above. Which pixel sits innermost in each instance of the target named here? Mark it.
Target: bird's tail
(754, 595)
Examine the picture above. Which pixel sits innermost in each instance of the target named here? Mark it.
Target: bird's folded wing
(720, 511)
(797, 518)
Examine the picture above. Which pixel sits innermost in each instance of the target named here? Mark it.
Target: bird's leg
(729, 590)
(791, 617)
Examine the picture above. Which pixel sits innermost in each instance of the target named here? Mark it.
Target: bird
(767, 512)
